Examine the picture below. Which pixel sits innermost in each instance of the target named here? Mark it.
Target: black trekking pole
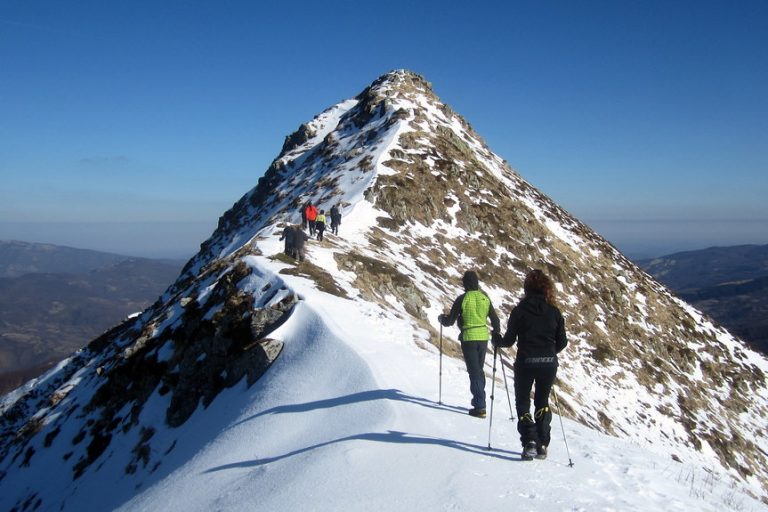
(440, 389)
(504, 373)
(557, 403)
(493, 387)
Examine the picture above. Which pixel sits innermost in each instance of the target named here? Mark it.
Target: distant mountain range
(20, 258)
(54, 300)
(730, 284)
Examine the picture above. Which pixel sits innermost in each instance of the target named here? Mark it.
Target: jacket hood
(535, 303)
(470, 281)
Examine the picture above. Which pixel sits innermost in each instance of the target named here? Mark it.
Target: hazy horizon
(167, 240)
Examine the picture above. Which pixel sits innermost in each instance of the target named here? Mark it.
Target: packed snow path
(348, 419)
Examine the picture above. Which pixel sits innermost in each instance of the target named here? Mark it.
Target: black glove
(496, 339)
(441, 318)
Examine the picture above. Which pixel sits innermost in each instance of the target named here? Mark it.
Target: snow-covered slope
(255, 382)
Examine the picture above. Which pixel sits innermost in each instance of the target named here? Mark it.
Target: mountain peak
(403, 81)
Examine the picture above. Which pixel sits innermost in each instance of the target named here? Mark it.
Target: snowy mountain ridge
(423, 199)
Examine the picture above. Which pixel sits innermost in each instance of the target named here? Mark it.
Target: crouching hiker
(539, 329)
(472, 309)
(294, 237)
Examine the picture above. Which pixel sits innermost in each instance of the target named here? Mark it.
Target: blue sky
(132, 126)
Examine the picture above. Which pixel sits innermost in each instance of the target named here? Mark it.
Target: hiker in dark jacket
(299, 239)
(304, 215)
(471, 310)
(335, 219)
(289, 233)
(537, 326)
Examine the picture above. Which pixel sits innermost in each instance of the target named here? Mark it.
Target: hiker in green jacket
(472, 309)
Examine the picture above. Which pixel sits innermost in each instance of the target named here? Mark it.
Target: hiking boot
(529, 451)
(541, 452)
(526, 418)
(477, 413)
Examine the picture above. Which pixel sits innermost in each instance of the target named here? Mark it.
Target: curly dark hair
(537, 282)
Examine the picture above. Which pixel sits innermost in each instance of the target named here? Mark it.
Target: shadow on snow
(390, 436)
(363, 396)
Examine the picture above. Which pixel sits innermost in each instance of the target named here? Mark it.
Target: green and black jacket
(471, 309)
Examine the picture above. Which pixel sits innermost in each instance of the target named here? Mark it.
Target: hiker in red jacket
(311, 212)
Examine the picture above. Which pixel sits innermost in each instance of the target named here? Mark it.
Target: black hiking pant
(534, 428)
(474, 357)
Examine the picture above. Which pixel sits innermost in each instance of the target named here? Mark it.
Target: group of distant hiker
(537, 326)
(314, 221)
